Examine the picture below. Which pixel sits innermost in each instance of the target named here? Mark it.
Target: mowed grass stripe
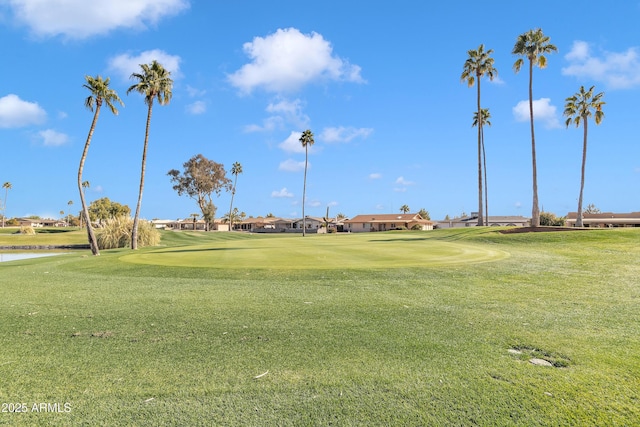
(348, 251)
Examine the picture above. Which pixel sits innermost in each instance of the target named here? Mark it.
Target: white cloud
(344, 134)
(284, 193)
(287, 60)
(375, 175)
(51, 138)
(15, 113)
(292, 143)
(617, 70)
(282, 112)
(542, 111)
(195, 92)
(292, 166)
(402, 181)
(125, 64)
(78, 19)
(198, 107)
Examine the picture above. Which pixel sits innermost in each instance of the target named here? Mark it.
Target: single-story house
(41, 222)
(495, 221)
(385, 222)
(605, 219)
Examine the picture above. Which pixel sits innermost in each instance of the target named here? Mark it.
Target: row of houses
(357, 224)
(386, 222)
(366, 223)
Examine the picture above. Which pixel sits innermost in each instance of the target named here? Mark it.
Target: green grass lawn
(398, 328)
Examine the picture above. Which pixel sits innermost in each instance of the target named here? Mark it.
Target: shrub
(116, 233)
(550, 219)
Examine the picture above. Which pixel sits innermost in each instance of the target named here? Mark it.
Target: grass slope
(347, 334)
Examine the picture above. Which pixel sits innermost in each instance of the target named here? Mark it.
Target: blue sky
(379, 85)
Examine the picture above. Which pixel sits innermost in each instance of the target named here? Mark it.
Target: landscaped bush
(116, 233)
(550, 219)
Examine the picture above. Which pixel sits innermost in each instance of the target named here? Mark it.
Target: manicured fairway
(341, 251)
(382, 329)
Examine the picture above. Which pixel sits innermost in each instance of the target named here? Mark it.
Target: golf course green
(465, 327)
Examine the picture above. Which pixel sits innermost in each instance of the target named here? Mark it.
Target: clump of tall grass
(116, 233)
(28, 230)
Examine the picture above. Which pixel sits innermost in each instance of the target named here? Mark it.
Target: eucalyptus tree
(578, 109)
(533, 46)
(154, 83)
(99, 93)
(236, 169)
(7, 186)
(199, 180)
(478, 64)
(306, 140)
(484, 117)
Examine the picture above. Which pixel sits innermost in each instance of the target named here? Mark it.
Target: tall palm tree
(154, 83)
(484, 116)
(478, 64)
(99, 93)
(533, 45)
(578, 108)
(404, 209)
(7, 186)
(236, 169)
(306, 140)
(69, 203)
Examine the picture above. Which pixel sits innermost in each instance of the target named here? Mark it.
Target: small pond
(5, 257)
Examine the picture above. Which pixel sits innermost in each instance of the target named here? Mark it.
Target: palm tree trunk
(486, 193)
(535, 209)
(480, 216)
(584, 164)
(233, 193)
(4, 204)
(93, 242)
(136, 218)
(304, 191)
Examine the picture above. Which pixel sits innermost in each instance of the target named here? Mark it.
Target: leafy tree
(232, 217)
(424, 214)
(201, 178)
(306, 140)
(477, 118)
(7, 186)
(533, 45)
(551, 220)
(478, 64)
(404, 209)
(236, 169)
(592, 209)
(578, 108)
(103, 209)
(154, 83)
(270, 215)
(100, 93)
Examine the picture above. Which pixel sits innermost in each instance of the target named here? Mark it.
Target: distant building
(605, 219)
(493, 221)
(385, 222)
